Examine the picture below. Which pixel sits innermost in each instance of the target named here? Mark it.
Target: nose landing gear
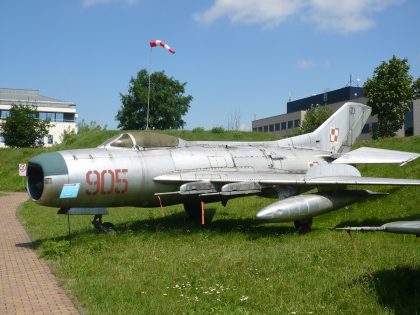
(102, 227)
(97, 219)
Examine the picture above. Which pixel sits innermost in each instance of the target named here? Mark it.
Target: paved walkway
(27, 286)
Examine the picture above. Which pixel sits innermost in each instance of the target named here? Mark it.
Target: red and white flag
(157, 42)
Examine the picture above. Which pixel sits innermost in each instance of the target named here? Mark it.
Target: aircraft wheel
(108, 227)
(193, 209)
(102, 227)
(303, 226)
(97, 225)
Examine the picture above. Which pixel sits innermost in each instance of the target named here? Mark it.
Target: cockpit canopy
(143, 140)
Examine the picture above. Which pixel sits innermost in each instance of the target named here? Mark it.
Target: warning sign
(22, 169)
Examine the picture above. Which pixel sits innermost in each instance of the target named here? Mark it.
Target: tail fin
(337, 133)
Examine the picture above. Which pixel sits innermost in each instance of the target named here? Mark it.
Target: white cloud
(309, 63)
(305, 63)
(91, 3)
(347, 15)
(267, 12)
(342, 16)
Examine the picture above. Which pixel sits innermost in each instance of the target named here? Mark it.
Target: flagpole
(148, 91)
(154, 43)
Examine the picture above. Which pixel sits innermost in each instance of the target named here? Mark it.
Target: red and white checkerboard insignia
(313, 163)
(334, 134)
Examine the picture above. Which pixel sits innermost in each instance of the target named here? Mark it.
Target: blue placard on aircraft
(70, 191)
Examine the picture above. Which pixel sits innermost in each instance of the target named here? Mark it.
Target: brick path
(26, 284)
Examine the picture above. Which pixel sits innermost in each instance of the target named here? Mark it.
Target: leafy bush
(217, 130)
(198, 129)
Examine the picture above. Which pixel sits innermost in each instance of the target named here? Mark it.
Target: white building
(62, 114)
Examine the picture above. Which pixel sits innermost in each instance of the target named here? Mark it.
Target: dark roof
(32, 97)
(341, 95)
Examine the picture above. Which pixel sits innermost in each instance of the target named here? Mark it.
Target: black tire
(303, 226)
(108, 227)
(97, 225)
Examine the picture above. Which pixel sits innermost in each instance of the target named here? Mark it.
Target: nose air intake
(35, 180)
(41, 166)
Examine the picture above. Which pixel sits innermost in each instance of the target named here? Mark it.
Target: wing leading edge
(281, 178)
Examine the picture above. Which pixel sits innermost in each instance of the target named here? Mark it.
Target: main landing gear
(303, 226)
(102, 227)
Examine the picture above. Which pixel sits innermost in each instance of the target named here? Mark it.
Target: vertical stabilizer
(337, 133)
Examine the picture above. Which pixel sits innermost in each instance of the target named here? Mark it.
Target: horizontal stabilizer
(373, 155)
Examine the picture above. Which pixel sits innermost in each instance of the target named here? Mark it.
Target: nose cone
(41, 166)
(284, 210)
(273, 212)
(265, 214)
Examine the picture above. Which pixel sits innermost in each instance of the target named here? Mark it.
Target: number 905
(106, 182)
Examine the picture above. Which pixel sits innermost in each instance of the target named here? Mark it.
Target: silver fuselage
(115, 177)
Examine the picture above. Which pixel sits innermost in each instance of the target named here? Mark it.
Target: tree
(314, 117)
(415, 89)
(69, 135)
(167, 103)
(22, 128)
(234, 120)
(389, 92)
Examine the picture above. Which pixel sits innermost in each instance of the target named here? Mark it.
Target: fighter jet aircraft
(145, 169)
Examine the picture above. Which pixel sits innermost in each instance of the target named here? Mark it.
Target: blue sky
(243, 56)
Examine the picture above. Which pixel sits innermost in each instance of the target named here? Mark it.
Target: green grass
(9, 163)
(164, 264)
(161, 263)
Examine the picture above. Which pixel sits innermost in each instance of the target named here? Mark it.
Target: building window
(260, 129)
(50, 139)
(42, 115)
(46, 115)
(290, 124)
(52, 116)
(4, 114)
(297, 123)
(265, 128)
(277, 126)
(254, 129)
(283, 125)
(366, 129)
(271, 128)
(68, 117)
(59, 117)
